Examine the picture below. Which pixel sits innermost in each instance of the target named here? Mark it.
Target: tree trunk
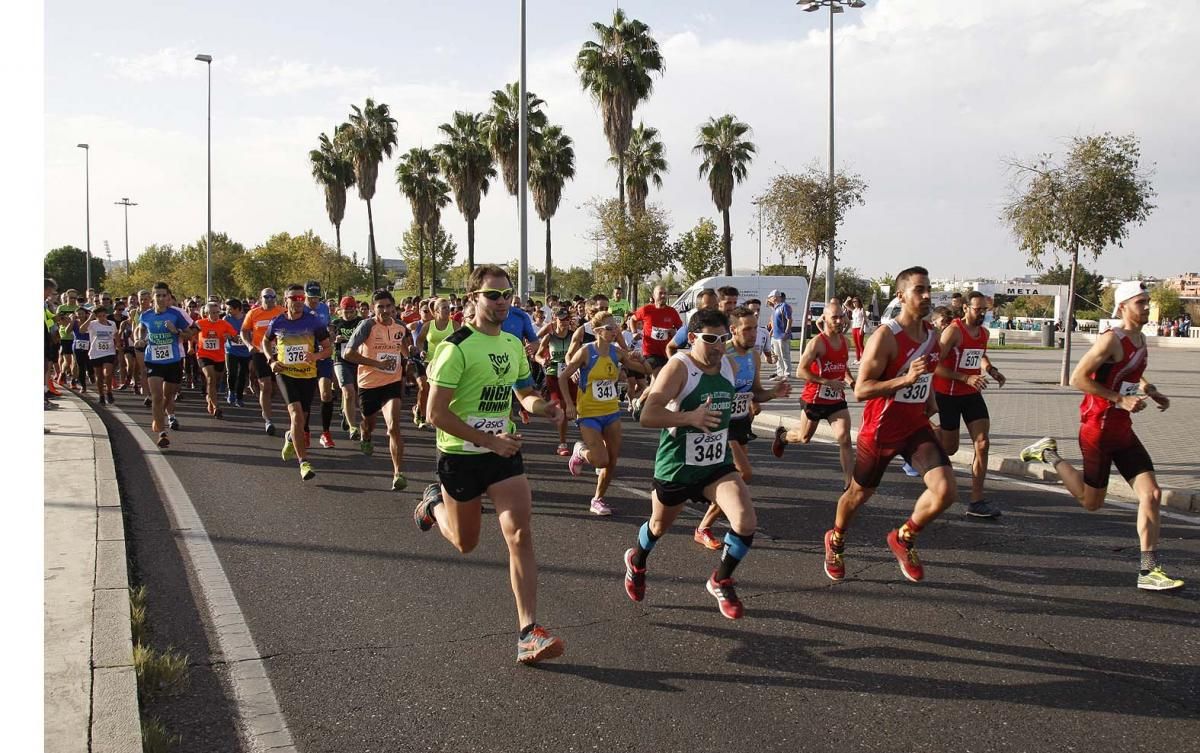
(546, 292)
(337, 229)
(1065, 374)
(621, 181)
(727, 240)
(470, 246)
(432, 274)
(371, 248)
(802, 312)
(420, 261)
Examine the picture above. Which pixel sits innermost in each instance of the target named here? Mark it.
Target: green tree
(502, 130)
(466, 162)
(846, 282)
(189, 274)
(285, 259)
(552, 166)
(630, 247)
(333, 169)
(1087, 284)
(440, 249)
(645, 162)
(1167, 301)
(698, 252)
(727, 155)
(68, 266)
(367, 138)
(576, 281)
(420, 181)
(1084, 203)
(615, 70)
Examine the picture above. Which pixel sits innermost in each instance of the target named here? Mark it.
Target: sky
(933, 97)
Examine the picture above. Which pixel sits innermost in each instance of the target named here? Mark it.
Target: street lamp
(207, 60)
(523, 174)
(835, 6)
(87, 212)
(758, 203)
(125, 202)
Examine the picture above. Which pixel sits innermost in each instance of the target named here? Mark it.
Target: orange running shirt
(257, 321)
(211, 342)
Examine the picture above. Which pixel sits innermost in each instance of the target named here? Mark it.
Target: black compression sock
(326, 415)
(525, 631)
(737, 546)
(645, 542)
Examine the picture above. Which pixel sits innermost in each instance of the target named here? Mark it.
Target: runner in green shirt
(473, 376)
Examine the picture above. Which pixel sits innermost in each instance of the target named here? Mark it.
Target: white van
(753, 286)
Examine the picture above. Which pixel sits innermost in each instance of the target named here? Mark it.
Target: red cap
(348, 302)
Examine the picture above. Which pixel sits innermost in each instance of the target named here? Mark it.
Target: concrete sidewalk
(90, 686)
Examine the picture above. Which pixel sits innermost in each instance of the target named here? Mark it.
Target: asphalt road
(1026, 634)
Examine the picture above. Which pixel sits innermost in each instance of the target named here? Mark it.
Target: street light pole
(125, 202)
(523, 173)
(207, 60)
(87, 212)
(758, 203)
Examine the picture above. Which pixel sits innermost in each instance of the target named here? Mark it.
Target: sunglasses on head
(494, 295)
(712, 339)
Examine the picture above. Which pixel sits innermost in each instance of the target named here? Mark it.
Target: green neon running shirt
(482, 370)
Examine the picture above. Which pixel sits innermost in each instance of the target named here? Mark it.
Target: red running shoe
(779, 442)
(906, 555)
(539, 645)
(833, 559)
(727, 599)
(635, 577)
(326, 439)
(705, 538)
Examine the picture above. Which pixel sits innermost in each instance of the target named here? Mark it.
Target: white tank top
(102, 340)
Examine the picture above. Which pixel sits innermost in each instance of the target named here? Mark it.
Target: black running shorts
(466, 477)
(171, 373)
(920, 449)
(373, 399)
(968, 408)
(673, 494)
(740, 429)
(103, 361)
(296, 389)
(262, 367)
(218, 365)
(818, 412)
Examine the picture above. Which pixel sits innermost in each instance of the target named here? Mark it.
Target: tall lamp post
(87, 212)
(207, 60)
(125, 202)
(523, 173)
(758, 203)
(835, 6)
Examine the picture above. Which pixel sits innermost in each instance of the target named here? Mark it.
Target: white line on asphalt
(263, 725)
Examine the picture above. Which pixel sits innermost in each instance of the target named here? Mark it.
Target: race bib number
(1129, 388)
(390, 363)
(659, 333)
(741, 405)
(707, 449)
(104, 346)
(80, 344)
(829, 392)
(604, 389)
(493, 425)
(971, 358)
(210, 343)
(293, 354)
(917, 392)
(161, 352)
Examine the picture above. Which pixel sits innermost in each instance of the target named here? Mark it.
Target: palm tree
(645, 161)
(368, 138)
(726, 157)
(616, 71)
(419, 180)
(553, 164)
(502, 126)
(333, 168)
(467, 164)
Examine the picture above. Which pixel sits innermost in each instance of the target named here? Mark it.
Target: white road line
(262, 724)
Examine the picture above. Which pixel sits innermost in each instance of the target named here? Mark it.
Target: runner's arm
(992, 371)
(358, 338)
(814, 350)
(656, 414)
(573, 364)
(946, 343)
(880, 349)
(325, 343)
(1107, 349)
(537, 405)
(1152, 392)
(633, 361)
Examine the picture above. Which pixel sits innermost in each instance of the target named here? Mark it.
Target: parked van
(753, 286)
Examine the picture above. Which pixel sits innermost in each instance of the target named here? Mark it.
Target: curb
(1183, 500)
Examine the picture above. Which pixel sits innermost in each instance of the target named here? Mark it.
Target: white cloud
(165, 63)
(292, 76)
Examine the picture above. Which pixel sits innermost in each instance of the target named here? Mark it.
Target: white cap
(1125, 291)
(774, 294)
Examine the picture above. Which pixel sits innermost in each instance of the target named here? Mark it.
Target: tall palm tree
(466, 162)
(726, 157)
(502, 126)
(616, 70)
(553, 164)
(333, 169)
(418, 176)
(645, 161)
(369, 137)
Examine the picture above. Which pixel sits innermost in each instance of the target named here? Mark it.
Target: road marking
(262, 724)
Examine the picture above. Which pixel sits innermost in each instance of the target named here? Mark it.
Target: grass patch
(155, 738)
(137, 616)
(159, 672)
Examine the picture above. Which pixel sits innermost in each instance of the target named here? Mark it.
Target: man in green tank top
(691, 400)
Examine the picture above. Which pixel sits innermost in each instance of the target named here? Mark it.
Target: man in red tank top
(824, 369)
(1110, 376)
(958, 385)
(895, 379)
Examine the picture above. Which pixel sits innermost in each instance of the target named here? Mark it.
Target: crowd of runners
(474, 368)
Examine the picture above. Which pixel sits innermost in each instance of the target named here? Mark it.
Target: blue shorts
(598, 422)
(325, 368)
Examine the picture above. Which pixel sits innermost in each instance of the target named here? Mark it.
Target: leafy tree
(1084, 203)
(441, 249)
(576, 281)
(552, 166)
(630, 247)
(68, 266)
(615, 70)
(1108, 298)
(466, 162)
(847, 282)
(502, 130)
(1167, 301)
(1087, 284)
(333, 169)
(285, 259)
(645, 162)
(727, 158)
(420, 181)
(189, 274)
(367, 138)
(698, 252)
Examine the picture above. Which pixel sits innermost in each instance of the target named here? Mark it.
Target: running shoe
(366, 447)
(906, 556)
(575, 464)
(727, 598)
(1157, 580)
(229, 398)
(1037, 451)
(539, 645)
(524, 416)
(306, 470)
(269, 428)
(173, 423)
(599, 507)
(217, 412)
(421, 513)
(353, 434)
(635, 577)
(289, 449)
(635, 409)
(563, 450)
(326, 440)
(146, 402)
(418, 419)
(834, 567)
(705, 538)
(982, 509)
(909, 470)
(238, 402)
(399, 482)
(779, 442)
(346, 426)
(162, 440)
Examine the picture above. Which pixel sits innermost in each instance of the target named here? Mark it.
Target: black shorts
(970, 408)
(171, 373)
(818, 412)
(66, 347)
(1101, 450)
(674, 494)
(103, 361)
(467, 477)
(325, 368)
(920, 449)
(218, 365)
(262, 367)
(656, 362)
(373, 399)
(740, 429)
(418, 365)
(296, 389)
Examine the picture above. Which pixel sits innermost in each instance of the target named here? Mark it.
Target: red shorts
(920, 449)
(556, 392)
(1101, 449)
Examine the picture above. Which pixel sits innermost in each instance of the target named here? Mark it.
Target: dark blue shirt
(519, 325)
